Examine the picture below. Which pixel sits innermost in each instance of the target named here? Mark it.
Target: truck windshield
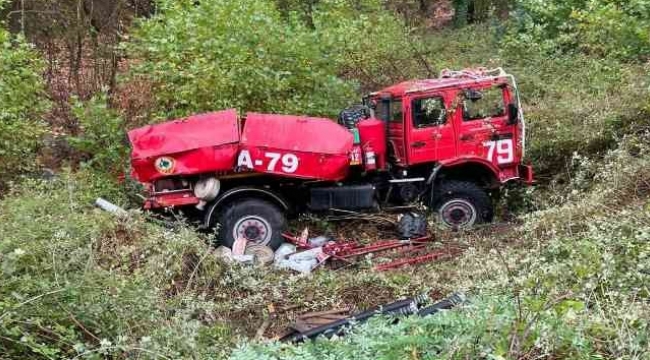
(487, 103)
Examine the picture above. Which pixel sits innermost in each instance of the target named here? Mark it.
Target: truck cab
(465, 127)
(454, 119)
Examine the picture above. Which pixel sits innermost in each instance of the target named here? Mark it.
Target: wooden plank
(321, 313)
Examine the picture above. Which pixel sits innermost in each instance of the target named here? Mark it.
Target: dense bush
(368, 44)
(577, 104)
(223, 54)
(600, 27)
(248, 55)
(22, 103)
(102, 135)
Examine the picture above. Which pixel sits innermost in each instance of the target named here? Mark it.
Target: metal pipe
(110, 207)
(444, 304)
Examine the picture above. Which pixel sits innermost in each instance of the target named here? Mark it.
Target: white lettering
(275, 157)
(244, 159)
(290, 163)
(504, 150)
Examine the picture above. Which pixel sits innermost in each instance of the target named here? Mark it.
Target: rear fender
(244, 192)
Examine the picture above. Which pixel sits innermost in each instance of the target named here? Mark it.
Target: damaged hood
(194, 132)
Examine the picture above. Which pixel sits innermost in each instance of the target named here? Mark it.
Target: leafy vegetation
(76, 282)
(22, 103)
(618, 29)
(245, 54)
(103, 137)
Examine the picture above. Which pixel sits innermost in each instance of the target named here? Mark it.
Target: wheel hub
(458, 213)
(254, 229)
(252, 232)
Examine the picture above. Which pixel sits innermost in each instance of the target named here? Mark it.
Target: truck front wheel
(462, 204)
(256, 220)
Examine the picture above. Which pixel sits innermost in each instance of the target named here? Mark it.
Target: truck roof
(447, 79)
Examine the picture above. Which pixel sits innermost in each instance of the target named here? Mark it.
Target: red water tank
(372, 133)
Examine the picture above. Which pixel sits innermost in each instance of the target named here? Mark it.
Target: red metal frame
(411, 261)
(346, 250)
(171, 199)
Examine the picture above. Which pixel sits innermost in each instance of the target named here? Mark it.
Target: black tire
(258, 220)
(462, 204)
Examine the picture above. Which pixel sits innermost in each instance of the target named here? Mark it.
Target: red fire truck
(450, 143)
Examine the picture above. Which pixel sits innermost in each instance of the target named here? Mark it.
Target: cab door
(396, 132)
(432, 136)
(484, 127)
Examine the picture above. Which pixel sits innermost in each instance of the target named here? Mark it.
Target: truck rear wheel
(462, 204)
(256, 220)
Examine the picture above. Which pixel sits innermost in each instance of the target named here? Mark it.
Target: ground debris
(333, 322)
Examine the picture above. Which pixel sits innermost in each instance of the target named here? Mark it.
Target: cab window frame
(390, 111)
(395, 116)
(414, 118)
(503, 110)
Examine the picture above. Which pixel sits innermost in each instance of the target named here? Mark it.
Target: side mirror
(513, 114)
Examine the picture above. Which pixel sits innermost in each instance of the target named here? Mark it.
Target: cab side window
(389, 110)
(484, 103)
(396, 110)
(429, 112)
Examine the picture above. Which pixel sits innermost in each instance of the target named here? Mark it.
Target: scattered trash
(110, 207)
(413, 247)
(304, 236)
(304, 266)
(412, 306)
(433, 256)
(304, 254)
(310, 254)
(224, 253)
(347, 251)
(284, 250)
(312, 320)
(411, 225)
(253, 254)
(262, 254)
(239, 246)
(304, 261)
(244, 259)
(319, 241)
